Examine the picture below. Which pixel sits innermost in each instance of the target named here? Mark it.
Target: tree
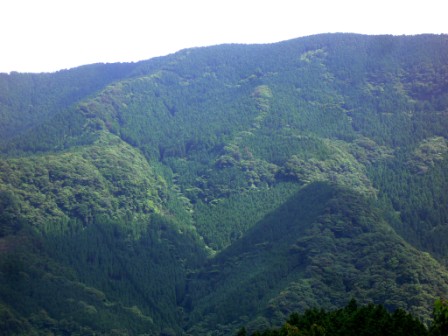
(242, 332)
(440, 323)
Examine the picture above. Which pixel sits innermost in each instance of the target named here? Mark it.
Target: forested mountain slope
(225, 186)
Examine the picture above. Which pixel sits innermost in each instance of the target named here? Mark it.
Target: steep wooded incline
(225, 186)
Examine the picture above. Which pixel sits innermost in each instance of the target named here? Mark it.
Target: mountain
(225, 186)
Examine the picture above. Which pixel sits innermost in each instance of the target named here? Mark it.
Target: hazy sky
(48, 35)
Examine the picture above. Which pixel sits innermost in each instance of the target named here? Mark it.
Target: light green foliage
(109, 177)
(309, 55)
(428, 153)
(338, 167)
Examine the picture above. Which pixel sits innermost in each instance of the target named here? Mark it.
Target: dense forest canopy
(226, 186)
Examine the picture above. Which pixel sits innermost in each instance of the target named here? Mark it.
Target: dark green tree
(440, 323)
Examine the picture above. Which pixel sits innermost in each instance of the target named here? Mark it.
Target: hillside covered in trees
(225, 186)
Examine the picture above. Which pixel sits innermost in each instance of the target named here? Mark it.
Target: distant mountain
(225, 186)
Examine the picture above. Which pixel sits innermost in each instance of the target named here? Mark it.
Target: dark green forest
(358, 321)
(252, 189)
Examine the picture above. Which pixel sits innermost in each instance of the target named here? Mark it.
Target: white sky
(49, 35)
